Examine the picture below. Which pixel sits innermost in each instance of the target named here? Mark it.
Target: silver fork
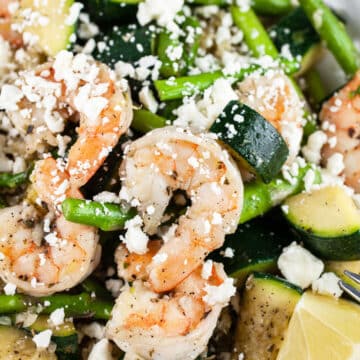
(350, 290)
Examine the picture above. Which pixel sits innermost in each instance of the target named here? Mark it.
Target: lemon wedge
(322, 328)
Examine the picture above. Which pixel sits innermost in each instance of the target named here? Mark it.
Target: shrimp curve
(169, 159)
(175, 326)
(340, 117)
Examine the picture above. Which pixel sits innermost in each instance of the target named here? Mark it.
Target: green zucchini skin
(253, 138)
(343, 248)
(266, 306)
(109, 12)
(296, 31)
(327, 221)
(126, 43)
(256, 245)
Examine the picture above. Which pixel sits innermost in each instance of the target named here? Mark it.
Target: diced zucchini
(126, 43)
(265, 310)
(112, 12)
(54, 35)
(16, 344)
(64, 336)
(252, 138)
(295, 31)
(328, 221)
(256, 246)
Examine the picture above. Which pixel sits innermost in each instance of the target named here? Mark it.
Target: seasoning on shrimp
(340, 117)
(172, 327)
(171, 159)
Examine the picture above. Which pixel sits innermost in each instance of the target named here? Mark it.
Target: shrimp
(173, 326)
(340, 117)
(170, 159)
(43, 255)
(70, 87)
(6, 32)
(275, 98)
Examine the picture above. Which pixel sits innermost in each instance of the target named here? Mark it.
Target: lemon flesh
(322, 328)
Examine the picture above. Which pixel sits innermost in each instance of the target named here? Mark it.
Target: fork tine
(352, 276)
(350, 290)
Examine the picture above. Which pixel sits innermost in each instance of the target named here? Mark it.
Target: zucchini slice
(328, 221)
(296, 31)
(256, 246)
(126, 43)
(55, 35)
(64, 336)
(111, 12)
(252, 139)
(16, 344)
(265, 311)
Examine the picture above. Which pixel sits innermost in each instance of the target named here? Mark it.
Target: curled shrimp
(175, 326)
(275, 98)
(170, 159)
(75, 88)
(42, 255)
(340, 117)
(6, 32)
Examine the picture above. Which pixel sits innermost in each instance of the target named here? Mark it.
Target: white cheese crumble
(335, 164)
(312, 150)
(299, 266)
(42, 339)
(147, 98)
(229, 252)
(206, 270)
(101, 350)
(162, 12)
(219, 294)
(57, 317)
(107, 197)
(327, 284)
(318, 18)
(135, 239)
(10, 289)
(94, 330)
(114, 286)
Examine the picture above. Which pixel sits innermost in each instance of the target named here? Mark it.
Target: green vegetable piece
(13, 180)
(126, 43)
(332, 31)
(177, 88)
(105, 216)
(266, 306)
(145, 121)
(328, 222)
(76, 305)
(255, 35)
(187, 43)
(296, 32)
(260, 197)
(10, 304)
(252, 138)
(256, 246)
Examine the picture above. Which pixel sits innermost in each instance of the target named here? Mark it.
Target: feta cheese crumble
(299, 266)
(42, 339)
(327, 284)
(135, 239)
(219, 294)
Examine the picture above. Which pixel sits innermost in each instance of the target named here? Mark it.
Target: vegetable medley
(176, 182)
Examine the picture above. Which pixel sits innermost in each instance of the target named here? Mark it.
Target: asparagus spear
(332, 31)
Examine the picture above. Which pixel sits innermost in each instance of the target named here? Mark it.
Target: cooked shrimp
(174, 326)
(169, 159)
(340, 117)
(275, 98)
(71, 87)
(6, 32)
(42, 255)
